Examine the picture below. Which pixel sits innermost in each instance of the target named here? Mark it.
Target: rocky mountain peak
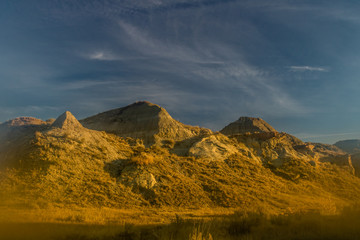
(66, 120)
(247, 125)
(144, 120)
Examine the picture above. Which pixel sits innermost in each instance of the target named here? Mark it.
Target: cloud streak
(102, 56)
(214, 58)
(307, 69)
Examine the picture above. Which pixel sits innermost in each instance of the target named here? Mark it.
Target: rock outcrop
(67, 121)
(215, 147)
(247, 125)
(334, 155)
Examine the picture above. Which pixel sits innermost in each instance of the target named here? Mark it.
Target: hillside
(349, 146)
(102, 161)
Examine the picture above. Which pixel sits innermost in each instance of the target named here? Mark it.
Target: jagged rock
(66, 120)
(143, 120)
(247, 125)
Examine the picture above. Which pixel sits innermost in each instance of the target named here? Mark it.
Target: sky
(295, 64)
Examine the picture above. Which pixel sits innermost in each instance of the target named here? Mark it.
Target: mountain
(23, 121)
(143, 120)
(102, 161)
(247, 125)
(349, 146)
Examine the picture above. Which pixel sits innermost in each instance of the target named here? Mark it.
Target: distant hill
(349, 146)
(139, 156)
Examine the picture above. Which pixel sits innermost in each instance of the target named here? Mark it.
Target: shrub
(142, 159)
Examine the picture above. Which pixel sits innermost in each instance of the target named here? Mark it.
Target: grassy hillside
(82, 167)
(63, 169)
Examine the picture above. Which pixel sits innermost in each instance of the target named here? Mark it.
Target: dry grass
(104, 216)
(142, 159)
(253, 226)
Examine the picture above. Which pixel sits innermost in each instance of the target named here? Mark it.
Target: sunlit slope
(62, 163)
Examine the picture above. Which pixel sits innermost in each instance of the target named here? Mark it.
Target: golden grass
(142, 159)
(104, 216)
(239, 225)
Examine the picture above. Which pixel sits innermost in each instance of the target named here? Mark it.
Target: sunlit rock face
(66, 120)
(215, 147)
(247, 125)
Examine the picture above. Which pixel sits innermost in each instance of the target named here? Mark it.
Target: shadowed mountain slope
(352, 147)
(349, 146)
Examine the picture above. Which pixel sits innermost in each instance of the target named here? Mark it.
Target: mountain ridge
(64, 163)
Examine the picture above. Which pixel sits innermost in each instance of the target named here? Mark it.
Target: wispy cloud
(308, 68)
(77, 85)
(102, 56)
(216, 67)
(148, 45)
(256, 85)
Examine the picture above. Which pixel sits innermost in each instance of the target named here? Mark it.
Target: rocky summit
(247, 125)
(143, 120)
(139, 156)
(66, 120)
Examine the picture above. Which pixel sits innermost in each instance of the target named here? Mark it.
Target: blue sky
(293, 63)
